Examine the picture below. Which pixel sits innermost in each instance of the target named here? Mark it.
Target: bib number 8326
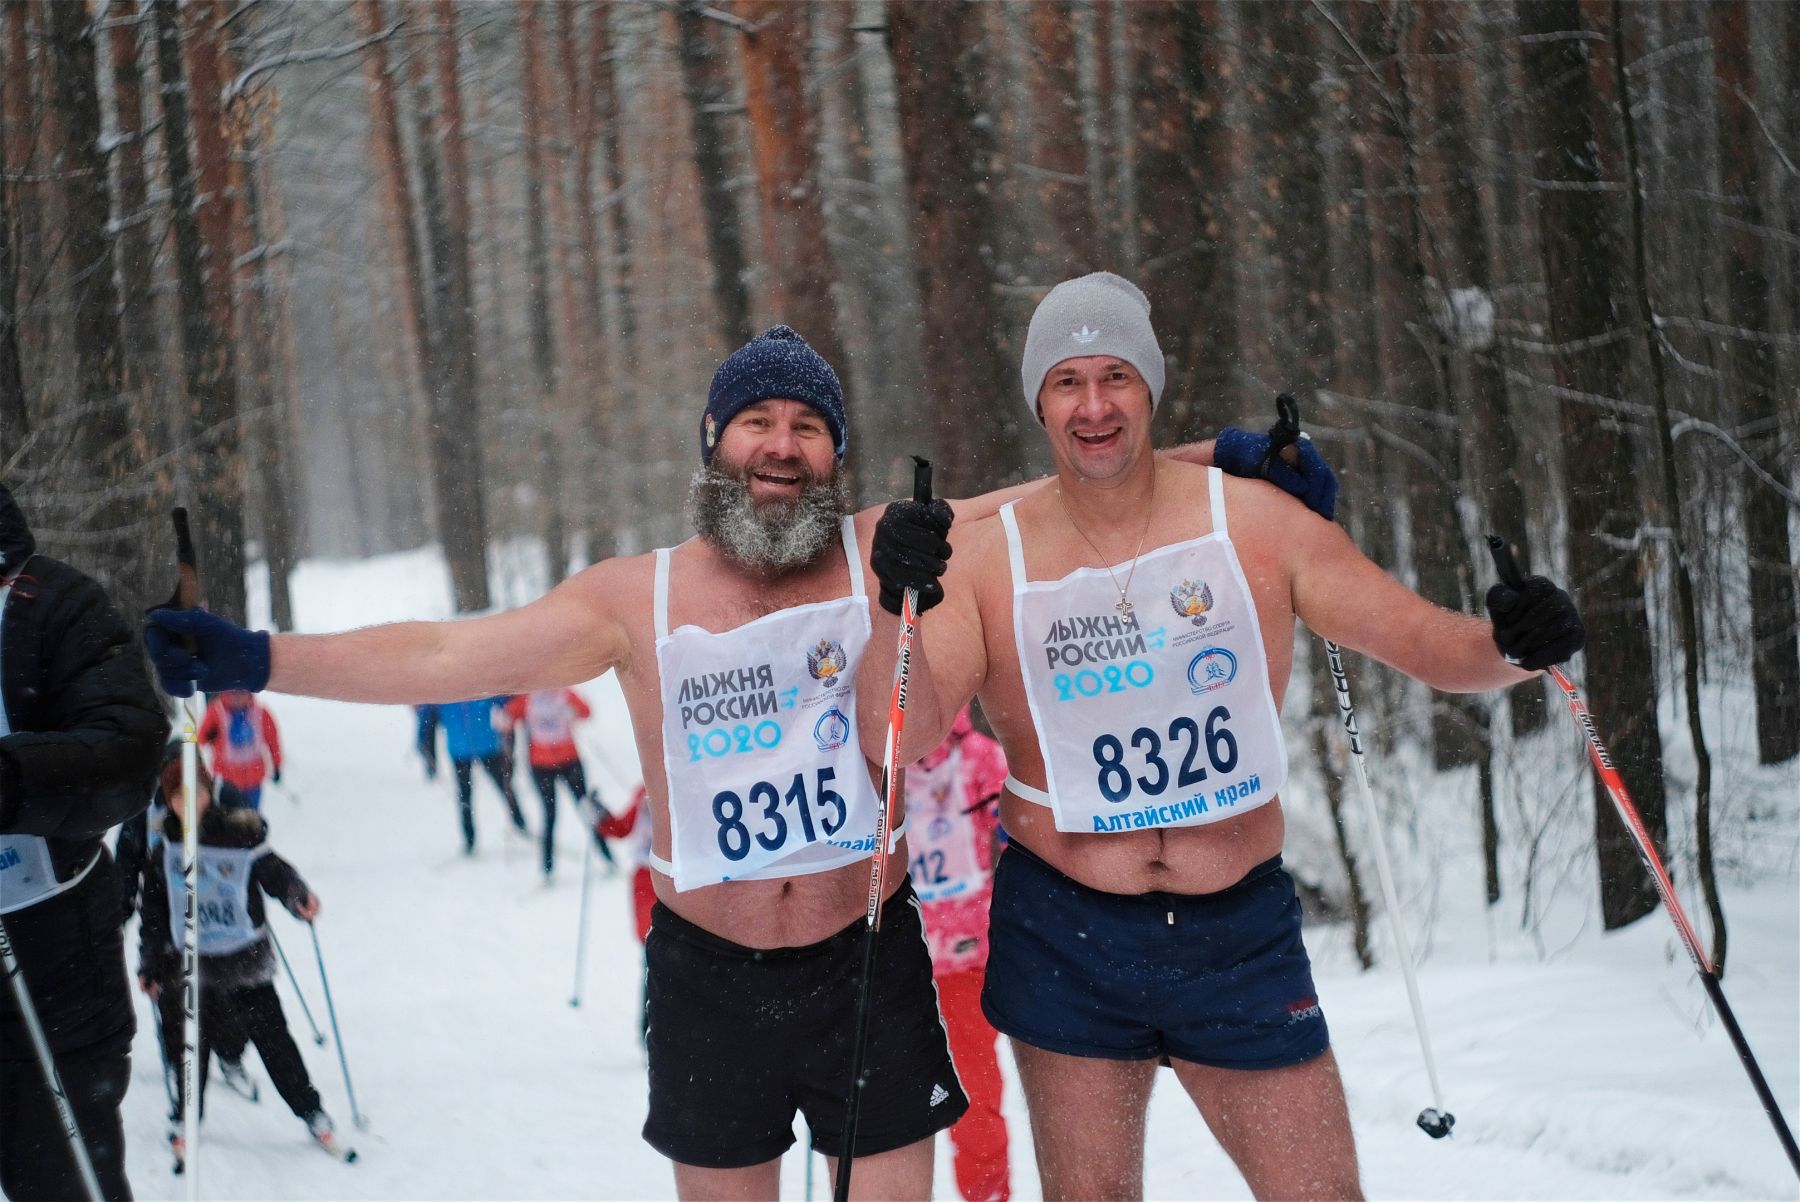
(1115, 779)
(735, 834)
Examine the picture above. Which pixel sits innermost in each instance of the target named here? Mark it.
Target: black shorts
(741, 1038)
(1220, 979)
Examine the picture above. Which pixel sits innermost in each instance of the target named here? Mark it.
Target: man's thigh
(754, 1184)
(901, 1173)
(1286, 1129)
(1087, 1121)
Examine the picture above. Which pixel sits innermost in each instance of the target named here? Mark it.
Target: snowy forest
(354, 278)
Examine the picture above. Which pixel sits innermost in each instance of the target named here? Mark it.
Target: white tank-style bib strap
(1216, 486)
(894, 836)
(659, 596)
(1015, 549)
(847, 531)
(1025, 792)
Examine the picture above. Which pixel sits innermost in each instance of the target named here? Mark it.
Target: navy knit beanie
(775, 365)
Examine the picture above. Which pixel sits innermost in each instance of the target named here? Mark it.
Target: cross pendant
(1124, 606)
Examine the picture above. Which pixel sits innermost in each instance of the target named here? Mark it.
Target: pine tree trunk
(1068, 238)
(136, 225)
(538, 271)
(1686, 614)
(99, 411)
(708, 88)
(1182, 142)
(1774, 623)
(1485, 411)
(949, 157)
(1575, 239)
(1416, 370)
(457, 450)
(801, 281)
(15, 415)
(219, 471)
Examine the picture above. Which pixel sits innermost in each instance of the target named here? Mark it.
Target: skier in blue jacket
(472, 736)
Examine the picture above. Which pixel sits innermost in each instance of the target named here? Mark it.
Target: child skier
(240, 735)
(549, 717)
(237, 971)
(951, 798)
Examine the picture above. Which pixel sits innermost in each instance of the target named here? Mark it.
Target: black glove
(1535, 624)
(910, 551)
(275, 775)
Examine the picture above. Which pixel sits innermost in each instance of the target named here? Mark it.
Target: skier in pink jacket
(952, 797)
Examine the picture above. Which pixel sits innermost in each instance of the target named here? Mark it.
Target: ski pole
(587, 875)
(318, 1035)
(891, 770)
(15, 977)
(337, 1037)
(1434, 1120)
(187, 596)
(1508, 568)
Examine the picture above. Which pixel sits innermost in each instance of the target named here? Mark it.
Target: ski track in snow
(1594, 1069)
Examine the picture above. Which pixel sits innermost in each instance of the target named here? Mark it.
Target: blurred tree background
(348, 278)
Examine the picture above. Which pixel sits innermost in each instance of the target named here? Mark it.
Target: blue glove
(1243, 454)
(225, 655)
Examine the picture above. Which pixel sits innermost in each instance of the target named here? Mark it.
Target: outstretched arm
(573, 633)
(1344, 596)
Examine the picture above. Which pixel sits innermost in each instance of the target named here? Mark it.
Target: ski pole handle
(1504, 563)
(1285, 432)
(921, 479)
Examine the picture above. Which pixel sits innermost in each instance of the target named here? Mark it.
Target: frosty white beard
(775, 536)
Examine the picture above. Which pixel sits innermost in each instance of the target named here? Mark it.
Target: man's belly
(784, 912)
(1190, 859)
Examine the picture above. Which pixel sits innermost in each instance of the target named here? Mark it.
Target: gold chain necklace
(1124, 605)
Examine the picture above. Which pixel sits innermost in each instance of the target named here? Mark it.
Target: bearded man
(737, 652)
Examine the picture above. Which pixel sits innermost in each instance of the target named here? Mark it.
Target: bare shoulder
(598, 612)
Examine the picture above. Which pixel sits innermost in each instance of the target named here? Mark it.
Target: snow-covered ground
(1579, 1064)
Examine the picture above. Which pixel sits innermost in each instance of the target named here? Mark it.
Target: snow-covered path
(1594, 1071)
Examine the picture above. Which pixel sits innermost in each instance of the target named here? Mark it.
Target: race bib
(766, 776)
(1159, 717)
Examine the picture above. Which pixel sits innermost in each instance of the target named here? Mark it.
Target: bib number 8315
(735, 834)
(1115, 779)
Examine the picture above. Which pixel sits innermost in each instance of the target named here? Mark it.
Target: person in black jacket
(237, 960)
(81, 728)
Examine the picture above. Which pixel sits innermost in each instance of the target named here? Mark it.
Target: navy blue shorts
(1220, 979)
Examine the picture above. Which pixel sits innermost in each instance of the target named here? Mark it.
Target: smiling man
(1129, 629)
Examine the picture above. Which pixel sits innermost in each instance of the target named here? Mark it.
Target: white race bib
(224, 889)
(766, 776)
(945, 842)
(549, 718)
(1163, 718)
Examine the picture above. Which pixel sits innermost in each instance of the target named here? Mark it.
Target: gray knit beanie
(1098, 314)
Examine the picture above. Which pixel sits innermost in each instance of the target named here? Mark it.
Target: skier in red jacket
(549, 717)
(240, 734)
